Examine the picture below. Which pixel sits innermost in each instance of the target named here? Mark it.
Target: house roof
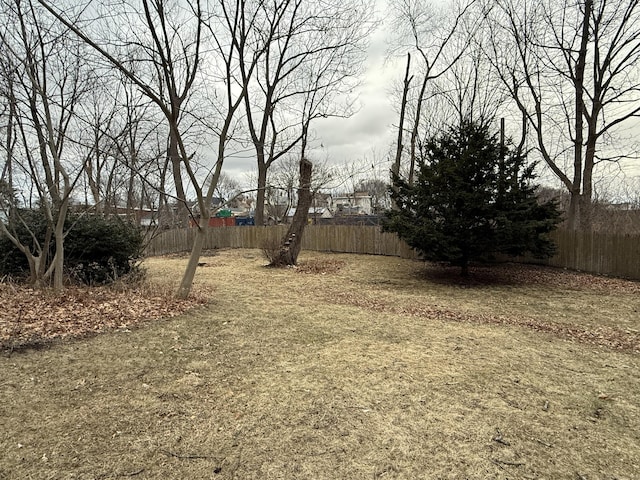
(312, 211)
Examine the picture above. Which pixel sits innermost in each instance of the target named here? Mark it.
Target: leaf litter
(32, 317)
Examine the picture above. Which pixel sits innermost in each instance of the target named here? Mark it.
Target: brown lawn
(348, 367)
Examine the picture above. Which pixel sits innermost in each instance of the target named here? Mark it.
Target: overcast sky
(368, 133)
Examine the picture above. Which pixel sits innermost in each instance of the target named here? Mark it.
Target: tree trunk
(35, 269)
(395, 169)
(585, 217)
(58, 267)
(58, 258)
(41, 264)
(292, 241)
(576, 212)
(414, 130)
(94, 184)
(261, 194)
(194, 257)
(176, 167)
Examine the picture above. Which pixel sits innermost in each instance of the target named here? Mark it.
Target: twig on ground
(543, 443)
(498, 438)
(504, 462)
(183, 457)
(131, 474)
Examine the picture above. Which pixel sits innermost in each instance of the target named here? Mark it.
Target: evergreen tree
(471, 199)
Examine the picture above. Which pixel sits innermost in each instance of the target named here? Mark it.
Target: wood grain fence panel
(605, 254)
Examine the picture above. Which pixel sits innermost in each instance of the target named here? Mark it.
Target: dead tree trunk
(292, 241)
(395, 168)
(405, 90)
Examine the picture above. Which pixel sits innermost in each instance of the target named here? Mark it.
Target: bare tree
(292, 241)
(395, 169)
(96, 145)
(438, 36)
(169, 38)
(46, 78)
(128, 142)
(227, 187)
(571, 69)
(223, 27)
(470, 90)
(140, 165)
(312, 53)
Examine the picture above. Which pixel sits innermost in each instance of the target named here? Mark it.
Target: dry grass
(346, 367)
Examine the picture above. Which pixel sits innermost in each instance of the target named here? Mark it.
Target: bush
(101, 249)
(270, 248)
(98, 249)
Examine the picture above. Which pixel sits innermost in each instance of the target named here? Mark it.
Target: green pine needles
(472, 199)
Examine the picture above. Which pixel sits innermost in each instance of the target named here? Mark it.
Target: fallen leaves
(31, 317)
(319, 266)
(525, 274)
(604, 336)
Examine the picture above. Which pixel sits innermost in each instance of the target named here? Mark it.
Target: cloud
(370, 129)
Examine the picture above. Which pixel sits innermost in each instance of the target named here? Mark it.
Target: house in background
(315, 214)
(324, 207)
(224, 213)
(320, 200)
(357, 203)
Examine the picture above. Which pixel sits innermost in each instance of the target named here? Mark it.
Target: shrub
(270, 248)
(98, 249)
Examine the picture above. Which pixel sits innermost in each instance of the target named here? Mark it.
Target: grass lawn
(349, 367)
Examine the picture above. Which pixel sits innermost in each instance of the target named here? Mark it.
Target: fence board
(604, 254)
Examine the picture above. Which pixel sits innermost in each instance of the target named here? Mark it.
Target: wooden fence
(600, 253)
(615, 255)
